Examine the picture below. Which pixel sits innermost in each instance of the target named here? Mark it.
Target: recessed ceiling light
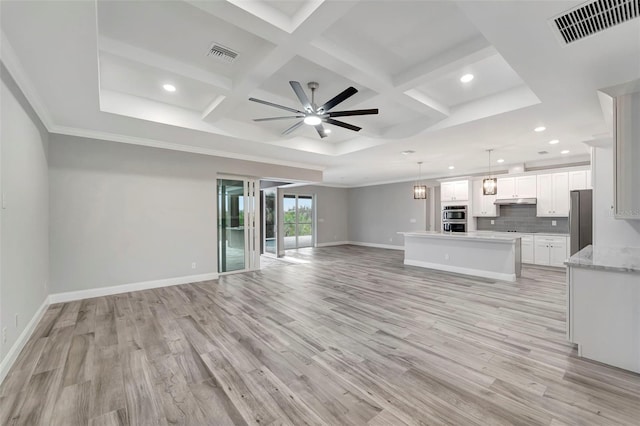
(327, 131)
(501, 160)
(554, 141)
(408, 152)
(540, 129)
(451, 167)
(566, 151)
(169, 87)
(466, 78)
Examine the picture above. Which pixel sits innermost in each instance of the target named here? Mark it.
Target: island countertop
(476, 236)
(626, 259)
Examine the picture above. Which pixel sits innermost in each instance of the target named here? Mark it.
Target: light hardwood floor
(352, 337)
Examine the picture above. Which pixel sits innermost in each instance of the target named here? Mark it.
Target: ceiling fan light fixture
(312, 120)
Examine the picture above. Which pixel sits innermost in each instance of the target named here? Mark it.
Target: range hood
(514, 201)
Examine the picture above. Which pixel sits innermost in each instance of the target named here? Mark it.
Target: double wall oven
(454, 219)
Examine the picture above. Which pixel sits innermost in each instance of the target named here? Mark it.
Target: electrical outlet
(554, 223)
(193, 265)
(412, 220)
(4, 335)
(390, 239)
(493, 222)
(446, 256)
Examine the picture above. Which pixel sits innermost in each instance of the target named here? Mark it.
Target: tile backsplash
(523, 219)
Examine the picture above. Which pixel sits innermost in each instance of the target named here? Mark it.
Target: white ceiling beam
(325, 15)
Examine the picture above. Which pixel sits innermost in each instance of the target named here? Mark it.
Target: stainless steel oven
(450, 213)
(454, 227)
(454, 219)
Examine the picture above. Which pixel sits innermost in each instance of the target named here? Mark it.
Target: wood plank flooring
(346, 335)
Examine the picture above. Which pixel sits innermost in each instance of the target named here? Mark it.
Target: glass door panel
(238, 216)
(298, 221)
(305, 221)
(289, 220)
(270, 222)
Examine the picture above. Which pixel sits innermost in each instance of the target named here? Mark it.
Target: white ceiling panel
(491, 75)
(134, 78)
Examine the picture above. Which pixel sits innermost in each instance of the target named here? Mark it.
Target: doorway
(298, 221)
(237, 217)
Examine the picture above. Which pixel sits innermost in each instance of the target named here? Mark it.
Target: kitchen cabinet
(526, 248)
(483, 205)
(553, 195)
(580, 179)
(550, 250)
(517, 187)
(626, 156)
(454, 191)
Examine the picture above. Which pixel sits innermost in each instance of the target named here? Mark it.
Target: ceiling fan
(314, 115)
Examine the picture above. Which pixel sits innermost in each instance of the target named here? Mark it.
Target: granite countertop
(625, 259)
(463, 236)
(542, 234)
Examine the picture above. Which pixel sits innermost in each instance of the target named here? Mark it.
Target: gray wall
(523, 219)
(24, 248)
(377, 213)
(124, 214)
(331, 211)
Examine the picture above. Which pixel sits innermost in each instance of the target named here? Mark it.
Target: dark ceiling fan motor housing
(314, 115)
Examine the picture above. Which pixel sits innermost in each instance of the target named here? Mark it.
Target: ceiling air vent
(595, 16)
(543, 152)
(222, 53)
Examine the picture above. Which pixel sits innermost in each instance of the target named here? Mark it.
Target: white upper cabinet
(483, 205)
(454, 191)
(517, 187)
(580, 179)
(553, 195)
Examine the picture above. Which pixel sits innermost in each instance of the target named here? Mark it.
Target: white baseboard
(461, 270)
(383, 246)
(126, 288)
(15, 350)
(332, 243)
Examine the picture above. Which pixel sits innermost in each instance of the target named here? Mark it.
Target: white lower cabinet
(526, 249)
(550, 250)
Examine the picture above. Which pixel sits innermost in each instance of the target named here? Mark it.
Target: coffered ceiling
(97, 69)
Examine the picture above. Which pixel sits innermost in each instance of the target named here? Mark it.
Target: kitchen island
(489, 256)
(603, 305)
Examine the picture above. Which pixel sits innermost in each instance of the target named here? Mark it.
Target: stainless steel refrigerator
(581, 220)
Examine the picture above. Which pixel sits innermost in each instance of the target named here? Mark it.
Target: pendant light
(419, 191)
(489, 185)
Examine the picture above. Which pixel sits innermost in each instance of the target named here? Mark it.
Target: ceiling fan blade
(353, 112)
(260, 101)
(304, 100)
(344, 95)
(320, 130)
(292, 128)
(342, 124)
(278, 118)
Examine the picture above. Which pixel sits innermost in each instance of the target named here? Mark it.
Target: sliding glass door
(269, 225)
(298, 221)
(237, 216)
